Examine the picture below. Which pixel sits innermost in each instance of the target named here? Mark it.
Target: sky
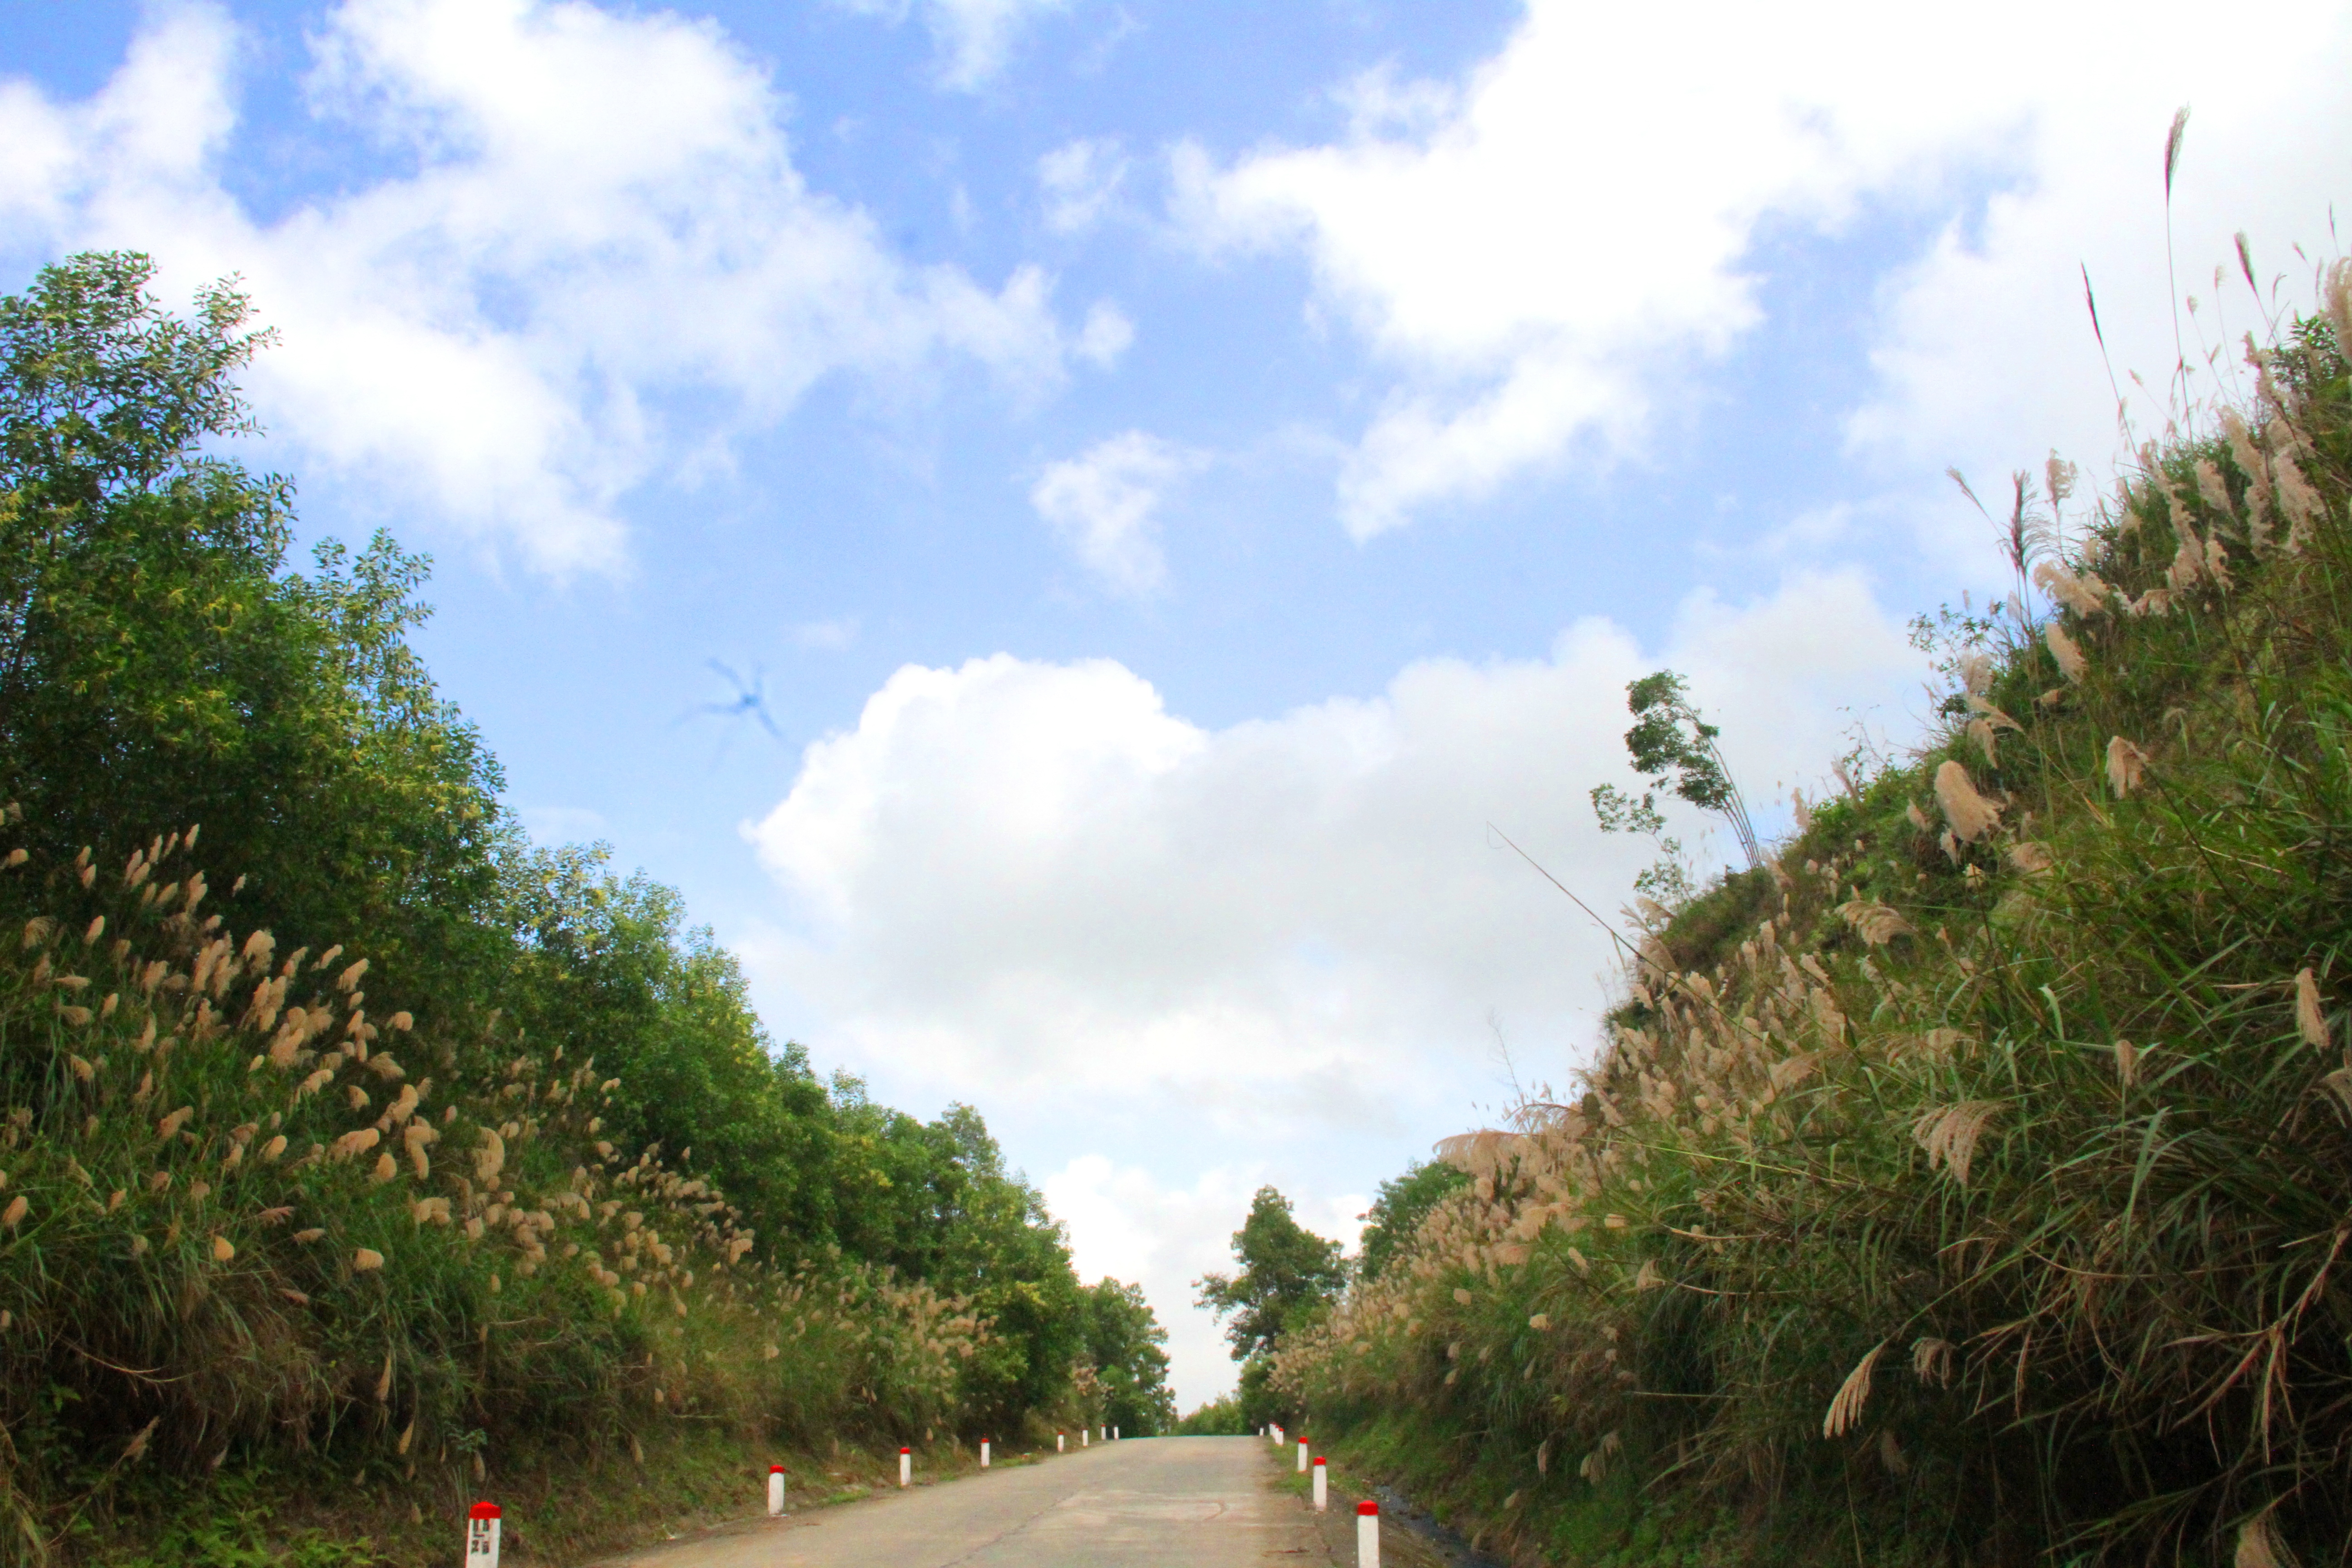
(1080, 533)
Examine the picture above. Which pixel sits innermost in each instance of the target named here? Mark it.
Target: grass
(249, 1229)
(1968, 1184)
(562, 1506)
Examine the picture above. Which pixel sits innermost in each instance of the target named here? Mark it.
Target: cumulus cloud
(1031, 878)
(974, 38)
(1541, 250)
(1081, 182)
(590, 210)
(1105, 503)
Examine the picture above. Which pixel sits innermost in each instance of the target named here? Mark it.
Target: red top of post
(906, 1450)
(483, 1511)
(776, 1469)
(1368, 1507)
(1318, 1459)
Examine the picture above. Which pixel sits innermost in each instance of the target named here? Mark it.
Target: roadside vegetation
(355, 1150)
(1968, 1180)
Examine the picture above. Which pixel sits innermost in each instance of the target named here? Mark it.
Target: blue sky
(1175, 474)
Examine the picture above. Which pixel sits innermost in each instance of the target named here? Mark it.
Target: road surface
(1160, 1502)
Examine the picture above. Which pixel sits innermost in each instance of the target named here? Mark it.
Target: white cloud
(594, 209)
(1105, 335)
(1106, 502)
(974, 38)
(1081, 181)
(1541, 252)
(1124, 1225)
(1031, 880)
(831, 636)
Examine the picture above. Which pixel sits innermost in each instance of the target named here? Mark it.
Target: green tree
(159, 666)
(1397, 1213)
(1289, 1277)
(609, 964)
(1124, 1342)
(997, 1246)
(1674, 748)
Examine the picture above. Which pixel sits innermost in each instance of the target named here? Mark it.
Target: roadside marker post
(906, 1466)
(482, 1536)
(1084, 1433)
(1059, 1439)
(1302, 1456)
(1114, 1433)
(1367, 1535)
(1322, 1496)
(775, 1490)
(983, 1453)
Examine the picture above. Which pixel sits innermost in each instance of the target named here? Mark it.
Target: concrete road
(1161, 1502)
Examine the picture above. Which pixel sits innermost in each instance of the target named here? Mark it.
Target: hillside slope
(1971, 1183)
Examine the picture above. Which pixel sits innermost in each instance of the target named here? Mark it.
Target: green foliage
(1673, 747)
(611, 960)
(1260, 1401)
(1968, 1181)
(818, 1169)
(1123, 1344)
(1396, 1213)
(158, 667)
(1289, 1276)
(1220, 1417)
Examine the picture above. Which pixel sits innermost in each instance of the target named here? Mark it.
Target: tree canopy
(159, 666)
(1397, 1213)
(1289, 1276)
(1674, 748)
(1125, 1344)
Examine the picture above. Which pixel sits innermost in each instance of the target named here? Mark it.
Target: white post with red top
(906, 1466)
(1367, 1535)
(1059, 1439)
(482, 1535)
(1322, 1497)
(983, 1453)
(775, 1490)
(1302, 1456)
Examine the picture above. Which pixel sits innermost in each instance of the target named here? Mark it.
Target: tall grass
(243, 1216)
(1974, 1181)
